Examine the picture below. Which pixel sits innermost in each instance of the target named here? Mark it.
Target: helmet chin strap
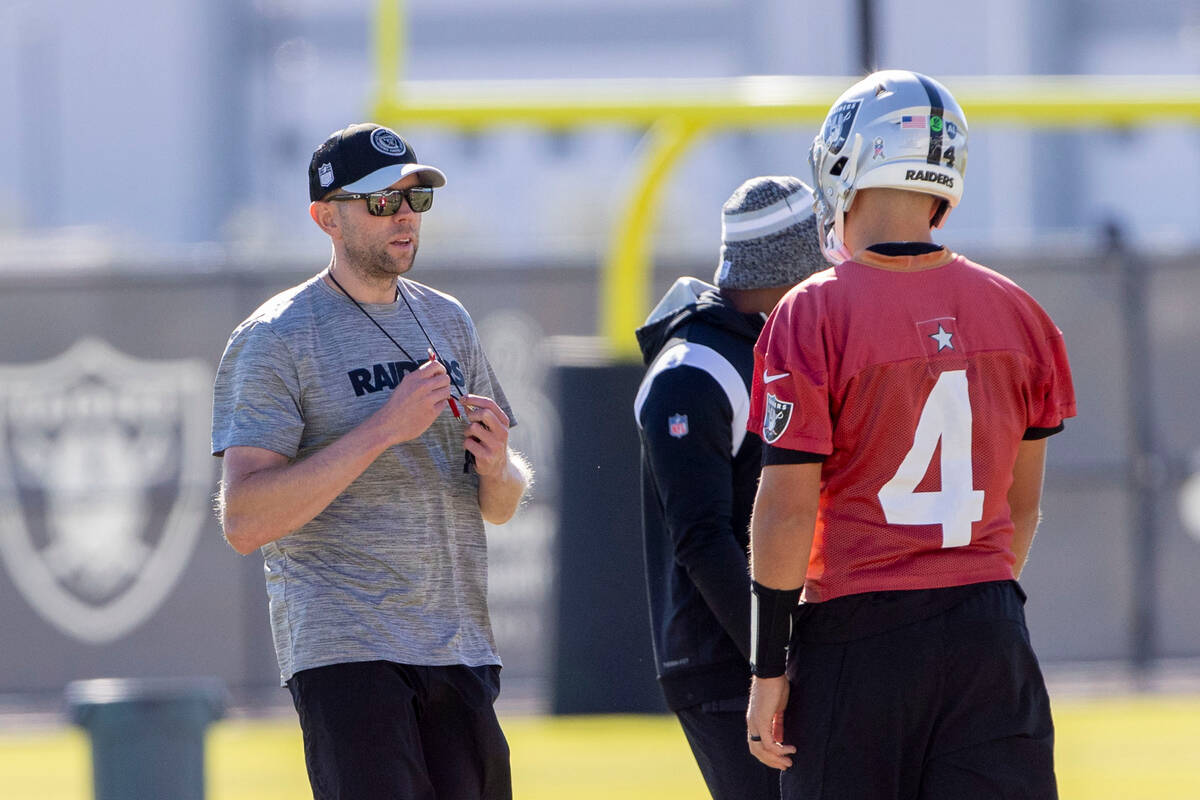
(833, 247)
(939, 217)
(833, 244)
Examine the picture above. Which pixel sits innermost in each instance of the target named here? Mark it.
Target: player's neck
(363, 288)
(885, 215)
(752, 301)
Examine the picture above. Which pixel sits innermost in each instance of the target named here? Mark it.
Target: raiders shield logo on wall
(775, 420)
(105, 478)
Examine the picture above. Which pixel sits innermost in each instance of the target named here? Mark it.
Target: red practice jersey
(917, 385)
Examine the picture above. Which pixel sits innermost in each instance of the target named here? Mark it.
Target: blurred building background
(156, 158)
(137, 125)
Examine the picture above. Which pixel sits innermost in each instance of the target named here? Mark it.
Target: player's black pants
(716, 731)
(382, 731)
(918, 695)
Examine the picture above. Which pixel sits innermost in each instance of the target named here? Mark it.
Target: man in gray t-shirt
(365, 441)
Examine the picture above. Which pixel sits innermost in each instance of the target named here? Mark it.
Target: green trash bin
(147, 734)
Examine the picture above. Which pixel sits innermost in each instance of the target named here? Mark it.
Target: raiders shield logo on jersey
(775, 420)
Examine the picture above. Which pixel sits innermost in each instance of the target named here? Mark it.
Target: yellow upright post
(625, 294)
(389, 38)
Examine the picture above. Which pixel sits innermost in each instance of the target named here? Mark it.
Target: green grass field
(1129, 748)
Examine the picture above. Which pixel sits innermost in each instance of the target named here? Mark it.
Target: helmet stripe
(936, 109)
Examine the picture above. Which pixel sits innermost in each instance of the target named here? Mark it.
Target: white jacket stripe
(690, 354)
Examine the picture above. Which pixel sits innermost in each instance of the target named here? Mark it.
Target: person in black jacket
(700, 471)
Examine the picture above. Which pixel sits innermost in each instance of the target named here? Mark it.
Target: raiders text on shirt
(388, 376)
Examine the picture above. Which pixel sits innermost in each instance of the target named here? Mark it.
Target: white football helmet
(894, 129)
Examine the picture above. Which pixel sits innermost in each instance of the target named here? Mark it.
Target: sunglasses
(388, 202)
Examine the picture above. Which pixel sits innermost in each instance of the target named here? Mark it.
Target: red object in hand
(453, 405)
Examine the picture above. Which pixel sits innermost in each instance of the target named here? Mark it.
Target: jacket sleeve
(692, 468)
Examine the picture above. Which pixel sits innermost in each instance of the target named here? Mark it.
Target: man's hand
(764, 721)
(486, 436)
(503, 474)
(415, 403)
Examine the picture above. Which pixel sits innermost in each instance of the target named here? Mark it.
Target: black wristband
(771, 613)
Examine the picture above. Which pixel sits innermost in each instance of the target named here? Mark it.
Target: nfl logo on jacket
(677, 425)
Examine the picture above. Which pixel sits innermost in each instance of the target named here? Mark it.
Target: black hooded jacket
(700, 472)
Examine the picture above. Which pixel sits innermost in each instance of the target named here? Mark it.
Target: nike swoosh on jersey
(769, 378)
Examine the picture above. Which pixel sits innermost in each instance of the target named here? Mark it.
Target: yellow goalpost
(677, 113)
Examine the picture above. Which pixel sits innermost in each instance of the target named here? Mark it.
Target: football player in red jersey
(904, 398)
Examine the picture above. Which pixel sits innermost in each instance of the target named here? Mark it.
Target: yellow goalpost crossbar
(678, 112)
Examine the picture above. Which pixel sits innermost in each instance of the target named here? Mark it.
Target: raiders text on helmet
(894, 129)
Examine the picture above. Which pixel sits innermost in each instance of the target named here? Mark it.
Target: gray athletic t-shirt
(396, 567)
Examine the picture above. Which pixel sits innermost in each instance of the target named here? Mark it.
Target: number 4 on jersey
(945, 417)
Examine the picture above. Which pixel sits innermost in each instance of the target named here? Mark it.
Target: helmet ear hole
(838, 166)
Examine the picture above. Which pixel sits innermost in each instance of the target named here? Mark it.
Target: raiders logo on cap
(387, 142)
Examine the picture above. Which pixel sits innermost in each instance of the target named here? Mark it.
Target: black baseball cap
(365, 158)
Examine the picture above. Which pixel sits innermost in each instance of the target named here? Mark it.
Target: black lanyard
(453, 407)
(399, 346)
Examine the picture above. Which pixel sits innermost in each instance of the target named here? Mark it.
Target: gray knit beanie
(768, 235)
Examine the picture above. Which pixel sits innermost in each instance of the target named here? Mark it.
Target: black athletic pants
(381, 731)
(716, 731)
(918, 695)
